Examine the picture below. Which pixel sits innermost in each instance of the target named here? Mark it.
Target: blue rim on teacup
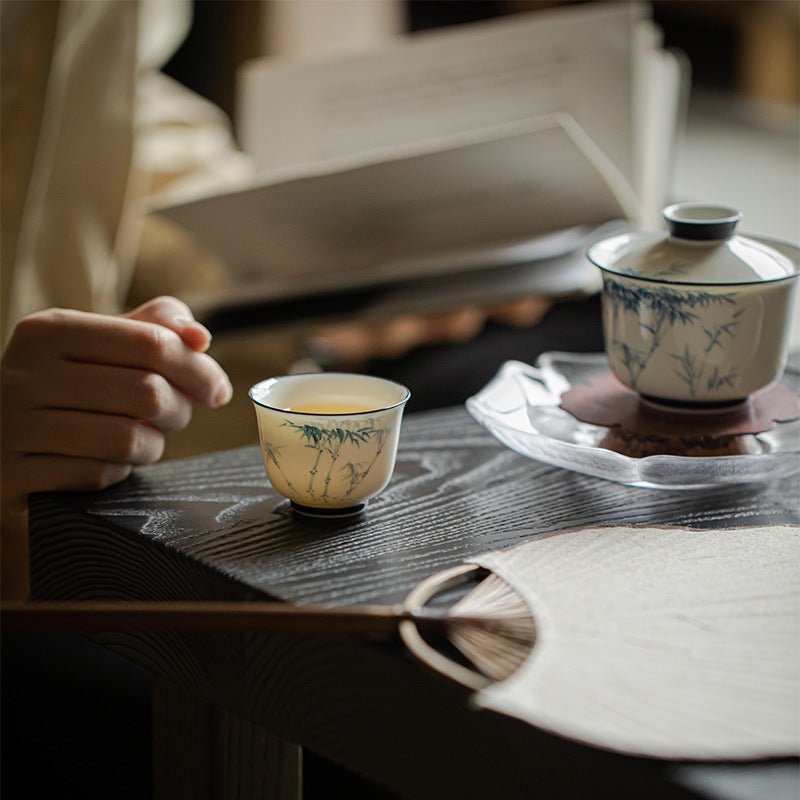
(270, 381)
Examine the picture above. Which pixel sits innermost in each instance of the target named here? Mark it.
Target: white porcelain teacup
(696, 317)
(329, 440)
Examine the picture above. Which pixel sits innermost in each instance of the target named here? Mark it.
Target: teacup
(697, 317)
(329, 440)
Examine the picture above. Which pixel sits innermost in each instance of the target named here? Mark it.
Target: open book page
(430, 85)
(660, 94)
(442, 154)
(445, 211)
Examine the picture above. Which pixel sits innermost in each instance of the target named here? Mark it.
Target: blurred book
(469, 163)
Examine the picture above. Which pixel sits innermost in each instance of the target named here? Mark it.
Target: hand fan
(663, 642)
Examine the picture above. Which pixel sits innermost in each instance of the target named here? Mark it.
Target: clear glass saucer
(520, 408)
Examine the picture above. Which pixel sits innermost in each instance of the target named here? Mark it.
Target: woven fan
(663, 642)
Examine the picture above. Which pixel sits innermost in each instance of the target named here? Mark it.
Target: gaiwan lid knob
(699, 222)
(699, 248)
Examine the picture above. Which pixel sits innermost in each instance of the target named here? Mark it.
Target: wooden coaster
(637, 428)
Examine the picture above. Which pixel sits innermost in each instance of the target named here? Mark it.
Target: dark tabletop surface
(211, 527)
(456, 492)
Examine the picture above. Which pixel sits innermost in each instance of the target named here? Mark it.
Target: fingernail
(186, 322)
(223, 393)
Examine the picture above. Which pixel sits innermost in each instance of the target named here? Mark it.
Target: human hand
(355, 342)
(85, 397)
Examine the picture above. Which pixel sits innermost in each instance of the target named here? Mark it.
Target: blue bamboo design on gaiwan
(674, 270)
(670, 308)
(327, 442)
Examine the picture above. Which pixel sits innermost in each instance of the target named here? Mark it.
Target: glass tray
(520, 408)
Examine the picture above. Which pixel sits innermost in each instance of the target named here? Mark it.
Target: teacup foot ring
(685, 406)
(327, 513)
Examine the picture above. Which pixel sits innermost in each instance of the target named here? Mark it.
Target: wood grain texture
(211, 528)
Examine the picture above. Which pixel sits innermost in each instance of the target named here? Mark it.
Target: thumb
(177, 316)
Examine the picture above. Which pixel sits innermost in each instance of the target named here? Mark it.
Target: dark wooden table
(226, 704)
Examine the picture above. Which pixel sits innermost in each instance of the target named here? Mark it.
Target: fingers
(121, 391)
(455, 326)
(39, 473)
(361, 341)
(85, 397)
(116, 341)
(392, 339)
(357, 342)
(84, 434)
(177, 316)
(56, 449)
(377, 340)
(521, 313)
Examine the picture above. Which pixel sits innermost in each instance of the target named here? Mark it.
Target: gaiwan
(697, 316)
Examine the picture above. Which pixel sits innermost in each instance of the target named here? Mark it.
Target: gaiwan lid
(700, 247)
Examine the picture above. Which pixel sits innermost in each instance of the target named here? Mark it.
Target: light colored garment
(92, 128)
(91, 131)
(69, 246)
